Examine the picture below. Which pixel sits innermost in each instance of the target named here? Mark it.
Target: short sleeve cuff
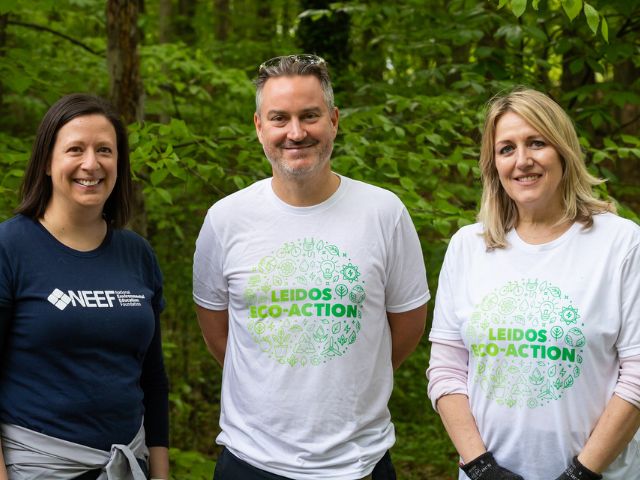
(405, 307)
(209, 305)
(440, 334)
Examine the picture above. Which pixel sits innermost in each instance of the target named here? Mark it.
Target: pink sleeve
(628, 386)
(448, 368)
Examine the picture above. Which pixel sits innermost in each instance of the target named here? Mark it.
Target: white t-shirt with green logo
(307, 373)
(546, 326)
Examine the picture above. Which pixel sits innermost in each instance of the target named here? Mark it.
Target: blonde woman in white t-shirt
(535, 362)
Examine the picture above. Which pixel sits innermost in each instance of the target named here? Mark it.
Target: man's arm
(406, 330)
(215, 330)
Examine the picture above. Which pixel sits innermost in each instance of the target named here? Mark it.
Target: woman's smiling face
(529, 167)
(83, 165)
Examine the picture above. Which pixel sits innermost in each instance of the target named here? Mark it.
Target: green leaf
(18, 82)
(595, 66)
(535, 4)
(239, 182)
(164, 194)
(175, 167)
(572, 8)
(8, 6)
(593, 17)
(315, 14)
(599, 156)
(630, 139)
(502, 3)
(537, 33)
(81, 3)
(445, 207)
(179, 128)
(576, 66)
(442, 226)
(407, 183)
(157, 176)
(604, 29)
(435, 138)
(463, 168)
(518, 7)
(483, 52)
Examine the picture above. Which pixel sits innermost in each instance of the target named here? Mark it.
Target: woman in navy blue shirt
(83, 388)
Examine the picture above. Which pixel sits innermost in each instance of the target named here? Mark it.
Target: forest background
(411, 78)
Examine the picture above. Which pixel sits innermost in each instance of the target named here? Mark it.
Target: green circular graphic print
(528, 344)
(305, 302)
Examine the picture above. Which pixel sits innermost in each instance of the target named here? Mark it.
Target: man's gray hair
(292, 65)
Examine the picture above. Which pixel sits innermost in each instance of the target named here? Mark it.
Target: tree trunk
(164, 21)
(125, 85)
(221, 19)
(573, 81)
(625, 75)
(3, 45)
(628, 169)
(327, 36)
(184, 21)
(266, 24)
(288, 16)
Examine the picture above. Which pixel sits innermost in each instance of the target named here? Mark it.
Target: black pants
(230, 467)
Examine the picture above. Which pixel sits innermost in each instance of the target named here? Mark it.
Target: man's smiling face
(295, 126)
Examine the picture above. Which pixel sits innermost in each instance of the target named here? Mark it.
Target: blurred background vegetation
(411, 79)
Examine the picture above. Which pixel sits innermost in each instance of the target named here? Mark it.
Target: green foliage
(572, 9)
(190, 464)
(425, 449)
(416, 76)
(13, 157)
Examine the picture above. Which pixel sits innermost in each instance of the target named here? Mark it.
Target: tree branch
(626, 124)
(54, 32)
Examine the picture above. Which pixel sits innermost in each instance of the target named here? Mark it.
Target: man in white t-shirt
(310, 289)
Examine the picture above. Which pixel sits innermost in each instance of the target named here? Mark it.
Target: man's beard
(323, 157)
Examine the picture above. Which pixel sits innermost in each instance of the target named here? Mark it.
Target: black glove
(577, 471)
(485, 467)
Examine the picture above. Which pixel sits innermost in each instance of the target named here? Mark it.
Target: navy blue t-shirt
(81, 353)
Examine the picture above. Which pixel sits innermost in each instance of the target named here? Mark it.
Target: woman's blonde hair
(498, 212)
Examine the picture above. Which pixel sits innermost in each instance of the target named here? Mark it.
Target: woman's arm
(621, 418)
(461, 426)
(447, 375)
(6, 315)
(156, 402)
(158, 463)
(616, 427)
(3, 468)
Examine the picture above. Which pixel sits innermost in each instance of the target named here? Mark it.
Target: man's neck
(305, 192)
